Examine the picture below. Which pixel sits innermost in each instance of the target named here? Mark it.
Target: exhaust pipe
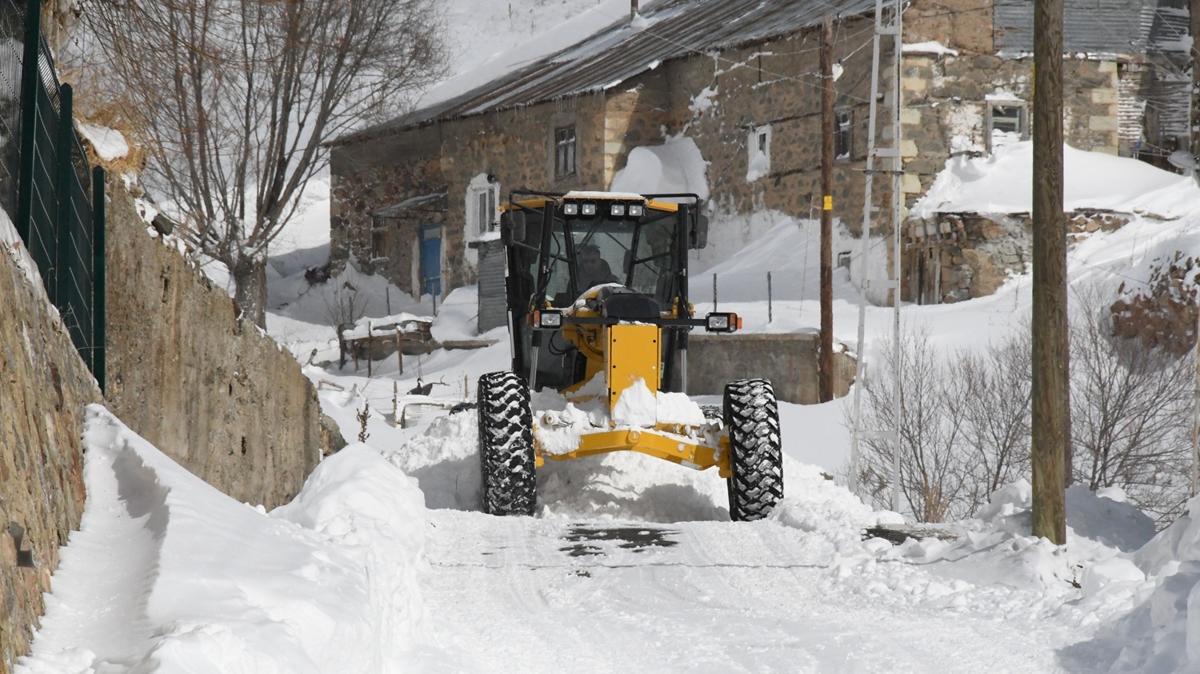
(633, 9)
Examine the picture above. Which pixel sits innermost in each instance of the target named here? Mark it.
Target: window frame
(566, 151)
(481, 198)
(843, 132)
(989, 120)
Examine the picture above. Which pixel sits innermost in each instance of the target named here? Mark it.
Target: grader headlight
(547, 319)
(722, 322)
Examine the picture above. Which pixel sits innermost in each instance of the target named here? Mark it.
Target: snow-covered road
(549, 595)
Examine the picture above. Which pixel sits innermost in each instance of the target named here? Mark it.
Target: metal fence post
(62, 193)
(770, 302)
(30, 80)
(99, 337)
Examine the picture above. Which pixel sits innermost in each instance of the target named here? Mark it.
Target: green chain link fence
(56, 198)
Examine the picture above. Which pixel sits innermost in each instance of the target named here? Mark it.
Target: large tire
(506, 445)
(756, 453)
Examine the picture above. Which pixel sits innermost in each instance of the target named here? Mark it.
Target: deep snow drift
(166, 574)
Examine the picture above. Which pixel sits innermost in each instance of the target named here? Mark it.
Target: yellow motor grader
(599, 318)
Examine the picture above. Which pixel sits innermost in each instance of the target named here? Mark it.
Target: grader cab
(599, 321)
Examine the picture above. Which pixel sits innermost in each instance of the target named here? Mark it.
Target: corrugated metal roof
(424, 202)
(1097, 26)
(621, 51)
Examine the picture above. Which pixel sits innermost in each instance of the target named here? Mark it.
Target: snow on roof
(432, 201)
(607, 52)
(1003, 183)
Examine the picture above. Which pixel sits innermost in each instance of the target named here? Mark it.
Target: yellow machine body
(626, 353)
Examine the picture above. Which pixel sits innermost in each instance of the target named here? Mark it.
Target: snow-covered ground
(383, 562)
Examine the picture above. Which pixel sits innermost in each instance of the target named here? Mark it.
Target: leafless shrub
(931, 425)
(1130, 412)
(965, 420)
(343, 305)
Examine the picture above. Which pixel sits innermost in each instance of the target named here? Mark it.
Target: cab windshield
(633, 253)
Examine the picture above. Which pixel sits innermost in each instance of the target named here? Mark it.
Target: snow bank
(166, 574)
(992, 562)
(1162, 635)
(675, 167)
(1003, 183)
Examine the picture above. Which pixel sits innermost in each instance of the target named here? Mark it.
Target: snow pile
(1162, 635)
(675, 167)
(109, 144)
(997, 548)
(827, 514)
(636, 406)
(375, 325)
(1003, 183)
(166, 574)
(444, 460)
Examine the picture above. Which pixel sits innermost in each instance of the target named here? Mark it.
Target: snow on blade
(166, 574)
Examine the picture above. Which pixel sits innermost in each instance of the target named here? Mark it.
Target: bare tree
(931, 426)
(1131, 410)
(994, 390)
(233, 99)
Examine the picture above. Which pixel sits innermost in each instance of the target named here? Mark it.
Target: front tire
(756, 452)
(506, 445)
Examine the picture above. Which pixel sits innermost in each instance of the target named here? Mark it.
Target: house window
(564, 151)
(758, 162)
(378, 240)
(485, 209)
(1007, 122)
(483, 197)
(843, 143)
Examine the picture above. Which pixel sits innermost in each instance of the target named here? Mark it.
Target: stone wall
(719, 100)
(957, 256)
(514, 146)
(946, 100)
(775, 83)
(44, 390)
(368, 176)
(212, 391)
(788, 360)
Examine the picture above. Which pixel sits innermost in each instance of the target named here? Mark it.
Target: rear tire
(756, 452)
(506, 445)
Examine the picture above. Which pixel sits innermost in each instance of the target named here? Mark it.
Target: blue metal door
(431, 260)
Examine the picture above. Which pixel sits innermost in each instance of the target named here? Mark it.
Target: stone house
(737, 81)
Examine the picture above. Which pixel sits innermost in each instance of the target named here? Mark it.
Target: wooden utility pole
(1194, 7)
(1051, 395)
(827, 122)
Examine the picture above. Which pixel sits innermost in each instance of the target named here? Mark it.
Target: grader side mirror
(698, 238)
(513, 228)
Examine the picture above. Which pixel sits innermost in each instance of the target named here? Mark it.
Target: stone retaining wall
(45, 387)
(788, 360)
(184, 371)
